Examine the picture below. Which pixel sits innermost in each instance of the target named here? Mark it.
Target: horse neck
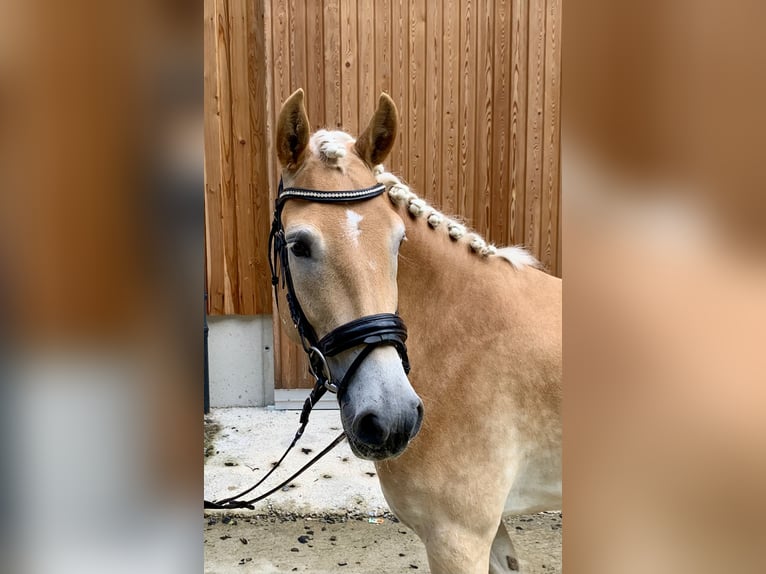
(440, 279)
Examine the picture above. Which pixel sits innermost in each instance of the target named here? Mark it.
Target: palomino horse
(474, 433)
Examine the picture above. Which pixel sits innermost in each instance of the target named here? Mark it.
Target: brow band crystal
(330, 195)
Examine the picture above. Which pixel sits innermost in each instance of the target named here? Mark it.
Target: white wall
(241, 360)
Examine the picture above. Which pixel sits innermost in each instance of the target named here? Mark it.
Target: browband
(286, 193)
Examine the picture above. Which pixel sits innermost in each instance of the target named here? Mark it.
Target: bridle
(371, 331)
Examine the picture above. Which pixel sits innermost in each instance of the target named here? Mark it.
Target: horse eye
(300, 249)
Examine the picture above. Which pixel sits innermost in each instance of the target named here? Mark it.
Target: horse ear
(292, 131)
(377, 140)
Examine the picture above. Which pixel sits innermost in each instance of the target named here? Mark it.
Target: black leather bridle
(371, 331)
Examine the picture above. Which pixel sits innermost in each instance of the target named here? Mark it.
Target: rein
(371, 331)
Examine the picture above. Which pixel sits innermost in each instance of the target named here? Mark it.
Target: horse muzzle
(378, 434)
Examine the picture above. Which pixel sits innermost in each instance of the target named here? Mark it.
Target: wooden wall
(237, 151)
(477, 84)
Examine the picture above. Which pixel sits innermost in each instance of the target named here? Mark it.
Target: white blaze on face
(352, 226)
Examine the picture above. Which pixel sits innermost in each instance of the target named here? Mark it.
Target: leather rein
(370, 331)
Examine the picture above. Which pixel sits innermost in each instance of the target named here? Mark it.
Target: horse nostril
(369, 430)
(418, 421)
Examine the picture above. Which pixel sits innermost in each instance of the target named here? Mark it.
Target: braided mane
(401, 194)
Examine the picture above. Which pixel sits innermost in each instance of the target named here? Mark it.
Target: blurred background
(102, 270)
(101, 275)
(664, 286)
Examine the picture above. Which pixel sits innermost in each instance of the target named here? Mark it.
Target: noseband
(370, 331)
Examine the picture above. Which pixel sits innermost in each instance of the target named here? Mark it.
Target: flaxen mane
(330, 146)
(400, 194)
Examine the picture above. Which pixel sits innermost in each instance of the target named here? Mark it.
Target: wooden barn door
(477, 84)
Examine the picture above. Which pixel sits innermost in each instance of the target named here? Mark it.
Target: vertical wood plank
(383, 48)
(259, 176)
(297, 42)
(272, 107)
(432, 70)
(400, 84)
(281, 51)
(449, 140)
(417, 97)
(500, 202)
(550, 190)
(214, 252)
(484, 163)
(366, 63)
(349, 73)
(518, 120)
(332, 64)
(535, 97)
(228, 201)
(281, 367)
(468, 151)
(242, 154)
(314, 65)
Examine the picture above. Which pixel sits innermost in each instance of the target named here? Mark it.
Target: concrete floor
(251, 439)
(320, 503)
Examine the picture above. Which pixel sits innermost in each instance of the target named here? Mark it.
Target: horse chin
(376, 455)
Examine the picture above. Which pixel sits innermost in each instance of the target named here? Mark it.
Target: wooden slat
(468, 149)
(228, 201)
(349, 75)
(260, 175)
(280, 19)
(366, 63)
(449, 143)
(274, 53)
(383, 48)
(551, 138)
(482, 191)
(242, 153)
(272, 109)
(535, 101)
(417, 97)
(315, 104)
(431, 68)
(332, 63)
(297, 43)
(518, 120)
(214, 252)
(399, 161)
(501, 90)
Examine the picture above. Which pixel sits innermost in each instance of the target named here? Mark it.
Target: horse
(473, 433)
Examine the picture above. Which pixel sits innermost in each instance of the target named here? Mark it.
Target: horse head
(342, 259)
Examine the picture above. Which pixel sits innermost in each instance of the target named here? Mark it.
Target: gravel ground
(323, 544)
